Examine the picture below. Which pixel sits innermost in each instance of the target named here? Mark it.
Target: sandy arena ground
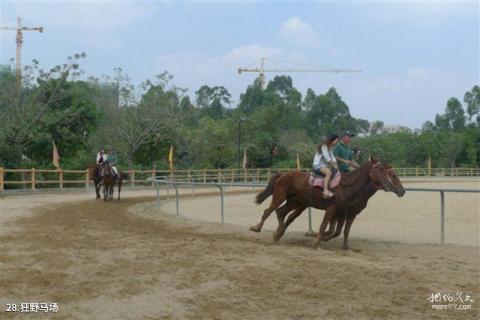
(130, 260)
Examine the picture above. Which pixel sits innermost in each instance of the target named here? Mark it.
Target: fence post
(87, 178)
(176, 197)
(310, 232)
(204, 176)
(222, 218)
(154, 181)
(1, 180)
(190, 180)
(33, 178)
(60, 177)
(153, 176)
(442, 217)
(132, 178)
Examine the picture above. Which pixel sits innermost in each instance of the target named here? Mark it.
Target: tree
(154, 117)
(362, 126)
(309, 100)
(282, 86)
(472, 100)
(46, 108)
(453, 118)
(328, 113)
(213, 100)
(253, 98)
(428, 126)
(376, 127)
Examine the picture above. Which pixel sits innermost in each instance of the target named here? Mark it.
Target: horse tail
(268, 191)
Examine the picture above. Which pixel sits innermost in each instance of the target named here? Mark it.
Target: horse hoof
(276, 237)
(255, 229)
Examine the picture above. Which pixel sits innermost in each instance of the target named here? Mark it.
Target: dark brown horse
(103, 175)
(349, 212)
(295, 189)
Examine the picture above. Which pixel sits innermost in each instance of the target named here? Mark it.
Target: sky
(414, 55)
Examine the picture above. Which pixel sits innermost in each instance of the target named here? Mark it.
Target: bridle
(379, 184)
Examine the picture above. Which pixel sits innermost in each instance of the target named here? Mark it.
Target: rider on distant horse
(325, 160)
(113, 160)
(101, 156)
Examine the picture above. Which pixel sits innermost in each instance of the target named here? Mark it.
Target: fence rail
(46, 178)
(158, 181)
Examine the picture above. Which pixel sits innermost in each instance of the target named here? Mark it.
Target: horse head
(379, 176)
(106, 169)
(395, 181)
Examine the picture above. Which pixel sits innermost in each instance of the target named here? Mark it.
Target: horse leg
(97, 189)
(277, 199)
(346, 232)
(119, 188)
(105, 192)
(329, 214)
(282, 212)
(283, 227)
(339, 221)
(331, 227)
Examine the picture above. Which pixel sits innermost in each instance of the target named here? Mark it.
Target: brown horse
(295, 189)
(103, 175)
(349, 212)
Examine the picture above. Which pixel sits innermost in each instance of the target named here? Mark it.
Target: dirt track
(104, 261)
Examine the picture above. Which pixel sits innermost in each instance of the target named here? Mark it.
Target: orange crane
(304, 68)
(19, 40)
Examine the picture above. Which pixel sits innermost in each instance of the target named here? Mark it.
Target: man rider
(344, 154)
(113, 160)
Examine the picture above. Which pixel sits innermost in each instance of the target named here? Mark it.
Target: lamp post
(239, 137)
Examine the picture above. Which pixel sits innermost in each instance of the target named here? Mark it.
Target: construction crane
(304, 68)
(19, 40)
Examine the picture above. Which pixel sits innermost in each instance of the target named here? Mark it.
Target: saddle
(316, 180)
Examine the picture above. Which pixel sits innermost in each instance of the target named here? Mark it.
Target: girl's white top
(324, 157)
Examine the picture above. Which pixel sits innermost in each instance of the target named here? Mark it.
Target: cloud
(298, 32)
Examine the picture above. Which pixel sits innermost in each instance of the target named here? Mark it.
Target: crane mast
(19, 41)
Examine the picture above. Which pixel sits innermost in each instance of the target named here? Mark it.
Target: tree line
(274, 124)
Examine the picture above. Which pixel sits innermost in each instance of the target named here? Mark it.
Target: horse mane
(352, 177)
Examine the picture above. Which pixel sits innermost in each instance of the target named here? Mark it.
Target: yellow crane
(303, 68)
(19, 40)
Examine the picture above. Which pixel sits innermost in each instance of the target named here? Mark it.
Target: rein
(376, 184)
